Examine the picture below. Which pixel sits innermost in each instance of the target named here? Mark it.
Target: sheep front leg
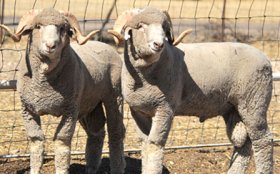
(63, 137)
(153, 147)
(144, 124)
(35, 133)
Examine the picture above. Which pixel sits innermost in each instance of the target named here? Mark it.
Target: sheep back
(216, 74)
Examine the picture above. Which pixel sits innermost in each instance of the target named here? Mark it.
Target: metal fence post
(2, 2)
(223, 20)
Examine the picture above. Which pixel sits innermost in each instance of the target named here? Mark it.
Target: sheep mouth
(47, 52)
(157, 50)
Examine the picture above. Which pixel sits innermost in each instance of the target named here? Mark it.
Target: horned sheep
(161, 80)
(72, 81)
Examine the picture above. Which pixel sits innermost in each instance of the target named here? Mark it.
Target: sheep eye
(142, 26)
(37, 26)
(70, 32)
(62, 29)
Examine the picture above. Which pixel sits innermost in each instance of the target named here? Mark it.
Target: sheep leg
(35, 133)
(63, 137)
(116, 132)
(143, 128)
(240, 158)
(93, 124)
(255, 121)
(153, 147)
(144, 124)
(237, 134)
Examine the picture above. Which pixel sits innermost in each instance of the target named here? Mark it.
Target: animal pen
(255, 22)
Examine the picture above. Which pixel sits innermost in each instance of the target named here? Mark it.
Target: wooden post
(2, 2)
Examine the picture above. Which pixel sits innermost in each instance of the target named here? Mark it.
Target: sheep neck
(139, 62)
(150, 73)
(41, 67)
(27, 60)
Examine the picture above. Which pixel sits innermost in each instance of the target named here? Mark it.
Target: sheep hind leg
(116, 132)
(36, 136)
(237, 134)
(93, 124)
(240, 158)
(260, 136)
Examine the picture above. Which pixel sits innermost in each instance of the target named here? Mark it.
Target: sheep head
(147, 30)
(134, 18)
(51, 28)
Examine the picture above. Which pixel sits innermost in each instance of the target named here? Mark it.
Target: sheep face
(51, 39)
(50, 33)
(148, 41)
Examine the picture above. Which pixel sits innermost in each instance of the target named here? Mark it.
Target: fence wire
(256, 22)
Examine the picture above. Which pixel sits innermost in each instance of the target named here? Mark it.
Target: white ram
(72, 81)
(160, 81)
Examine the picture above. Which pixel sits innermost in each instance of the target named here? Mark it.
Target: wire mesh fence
(256, 22)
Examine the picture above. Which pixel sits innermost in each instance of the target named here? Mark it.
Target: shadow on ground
(133, 166)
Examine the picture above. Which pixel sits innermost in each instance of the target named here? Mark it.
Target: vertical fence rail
(223, 20)
(2, 5)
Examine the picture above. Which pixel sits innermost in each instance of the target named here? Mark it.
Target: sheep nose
(158, 45)
(50, 45)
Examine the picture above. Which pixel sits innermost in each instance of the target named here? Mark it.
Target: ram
(161, 80)
(72, 81)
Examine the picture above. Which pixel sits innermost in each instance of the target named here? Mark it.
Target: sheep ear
(168, 28)
(74, 23)
(170, 37)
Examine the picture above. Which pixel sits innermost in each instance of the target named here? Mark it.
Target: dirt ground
(184, 161)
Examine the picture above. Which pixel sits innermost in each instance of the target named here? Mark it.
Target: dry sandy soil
(186, 161)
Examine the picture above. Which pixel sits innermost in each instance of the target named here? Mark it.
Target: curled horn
(121, 22)
(25, 23)
(75, 25)
(15, 37)
(181, 37)
(119, 37)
